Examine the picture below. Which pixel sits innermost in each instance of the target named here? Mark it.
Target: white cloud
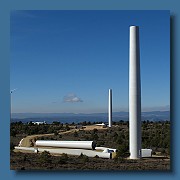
(72, 98)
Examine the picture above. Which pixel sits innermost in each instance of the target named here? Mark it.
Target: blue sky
(65, 61)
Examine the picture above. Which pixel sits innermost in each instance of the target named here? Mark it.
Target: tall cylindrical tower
(110, 107)
(134, 94)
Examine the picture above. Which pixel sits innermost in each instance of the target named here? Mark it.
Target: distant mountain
(93, 117)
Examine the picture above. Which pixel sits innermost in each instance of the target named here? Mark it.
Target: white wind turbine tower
(134, 94)
(110, 108)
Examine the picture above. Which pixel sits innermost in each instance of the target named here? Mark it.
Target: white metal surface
(134, 94)
(146, 152)
(110, 107)
(89, 153)
(105, 148)
(67, 144)
(102, 124)
(27, 148)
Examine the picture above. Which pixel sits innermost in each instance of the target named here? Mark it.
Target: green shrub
(63, 159)
(45, 157)
(84, 158)
(75, 134)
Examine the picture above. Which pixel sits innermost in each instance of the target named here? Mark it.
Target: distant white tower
(134, 95)
(110, 107)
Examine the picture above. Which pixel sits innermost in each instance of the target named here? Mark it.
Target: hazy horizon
(147, 109)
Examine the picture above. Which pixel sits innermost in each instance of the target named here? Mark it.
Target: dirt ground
(26, 142)
(28, 160)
